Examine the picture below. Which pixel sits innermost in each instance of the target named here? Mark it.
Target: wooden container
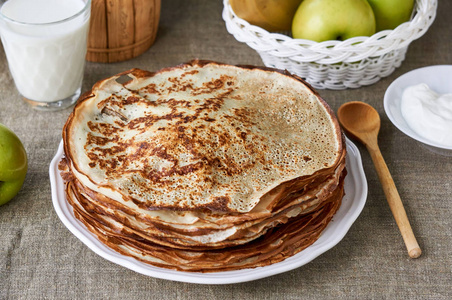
(121, 29)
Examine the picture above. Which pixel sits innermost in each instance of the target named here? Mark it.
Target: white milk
(45, 44)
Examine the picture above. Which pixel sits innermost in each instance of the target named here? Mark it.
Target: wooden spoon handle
(395, 203)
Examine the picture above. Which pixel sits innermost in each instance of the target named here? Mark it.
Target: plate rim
(355, 177)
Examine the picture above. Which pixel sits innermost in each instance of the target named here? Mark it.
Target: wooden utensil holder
(121, 29)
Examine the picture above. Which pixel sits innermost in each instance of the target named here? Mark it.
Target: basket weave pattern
(334, 64)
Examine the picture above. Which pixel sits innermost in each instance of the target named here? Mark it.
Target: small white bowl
(439, 79)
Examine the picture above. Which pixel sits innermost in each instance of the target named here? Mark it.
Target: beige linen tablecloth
(41, 259)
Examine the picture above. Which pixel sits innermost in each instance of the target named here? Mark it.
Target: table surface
(40, 258)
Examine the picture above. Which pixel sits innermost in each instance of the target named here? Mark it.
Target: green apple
(391, 13)
(13, 164)
(322, 20)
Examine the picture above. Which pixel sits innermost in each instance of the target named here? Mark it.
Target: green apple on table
(13, 164)
(391, 13)
(322, 20)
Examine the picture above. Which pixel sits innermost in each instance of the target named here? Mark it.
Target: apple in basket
(391, 13)
(322, 20)
(13, 164)
(272, 15)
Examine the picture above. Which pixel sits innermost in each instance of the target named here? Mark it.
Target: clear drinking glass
(46, 49)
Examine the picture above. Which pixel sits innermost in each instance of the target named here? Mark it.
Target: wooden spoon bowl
(359, 120)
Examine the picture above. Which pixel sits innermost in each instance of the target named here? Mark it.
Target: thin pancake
(200, 136)
(204, 166)
(275, 245)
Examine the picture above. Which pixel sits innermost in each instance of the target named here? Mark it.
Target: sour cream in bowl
(419, 103)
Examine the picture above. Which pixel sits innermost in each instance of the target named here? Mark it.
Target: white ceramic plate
(438, 78)
(352, 205)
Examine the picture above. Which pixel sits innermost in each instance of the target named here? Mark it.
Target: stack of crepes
(204, 167)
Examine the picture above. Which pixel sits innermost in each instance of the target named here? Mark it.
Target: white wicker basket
(336, 65)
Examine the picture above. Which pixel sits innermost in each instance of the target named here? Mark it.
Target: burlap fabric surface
(41, 259)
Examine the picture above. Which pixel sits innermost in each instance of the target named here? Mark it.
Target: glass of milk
(45, 45)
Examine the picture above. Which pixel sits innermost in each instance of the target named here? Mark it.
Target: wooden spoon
(362, 122)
